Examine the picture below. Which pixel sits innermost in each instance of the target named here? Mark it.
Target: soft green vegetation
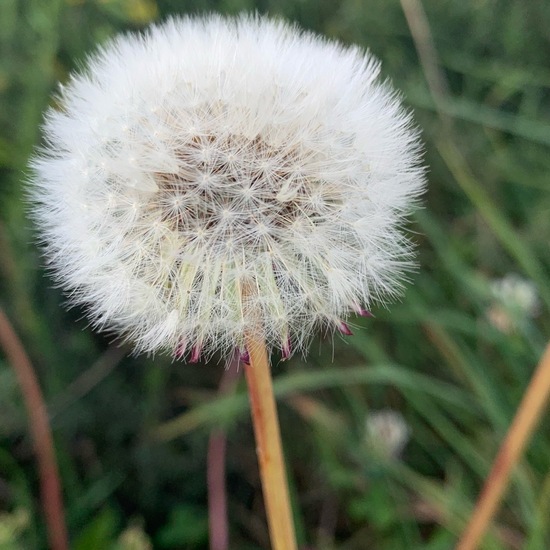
(131, 433)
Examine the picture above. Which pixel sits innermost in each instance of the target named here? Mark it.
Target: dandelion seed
(211, 153)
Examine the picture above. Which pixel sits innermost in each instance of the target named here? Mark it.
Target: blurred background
(389, 434)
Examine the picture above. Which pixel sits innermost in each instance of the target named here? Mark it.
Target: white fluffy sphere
(213, 154)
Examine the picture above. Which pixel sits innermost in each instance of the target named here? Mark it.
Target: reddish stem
(217, 497)
(215, 471)
(39, 426)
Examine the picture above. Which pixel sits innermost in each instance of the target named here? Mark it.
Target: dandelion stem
(39, 426)
(528, 414)
(268, 441)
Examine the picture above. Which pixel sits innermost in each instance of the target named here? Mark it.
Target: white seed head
(210, 154)
(517, 293)
(514, 300)
(387, 432)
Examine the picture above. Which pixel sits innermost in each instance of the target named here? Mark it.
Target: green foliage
(186, 527)
(453, 358)
(12, 526)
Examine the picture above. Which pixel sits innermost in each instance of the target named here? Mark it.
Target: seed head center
(230, 186)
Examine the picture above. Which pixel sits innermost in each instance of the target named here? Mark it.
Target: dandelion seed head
(515, 300)
(387, 432)
(213, 152)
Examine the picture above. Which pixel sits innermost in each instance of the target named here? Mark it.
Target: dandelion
(211, 153)
(518, 293)
(515, 300)
(226, 184)
(387, 432)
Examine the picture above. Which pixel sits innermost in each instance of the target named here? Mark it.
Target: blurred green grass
(131, 433)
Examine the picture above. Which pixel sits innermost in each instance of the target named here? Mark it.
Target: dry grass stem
(530, 410)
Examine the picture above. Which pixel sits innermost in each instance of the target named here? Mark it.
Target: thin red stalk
(217, 497)
(39, 426)
(215, 472)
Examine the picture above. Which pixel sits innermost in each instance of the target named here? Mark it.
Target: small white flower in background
(517, 292)
(213, 152)
(515, 299)
(387, 432)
